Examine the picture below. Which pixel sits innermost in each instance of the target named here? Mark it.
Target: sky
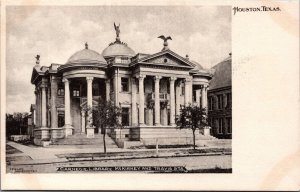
(57, 32)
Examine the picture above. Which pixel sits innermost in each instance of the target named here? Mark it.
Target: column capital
(65, 80)
(141, 77)
(157, 77)
(107, 81)
(89, 79)
(204, 86)
(173, 78)
(188, 79)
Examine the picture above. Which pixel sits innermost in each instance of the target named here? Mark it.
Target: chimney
(187, 57)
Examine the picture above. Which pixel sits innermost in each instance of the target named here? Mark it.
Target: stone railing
(162, 96)
(84, 99)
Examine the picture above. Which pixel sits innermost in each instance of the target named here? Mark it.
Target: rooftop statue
(117, 28)
(165, 41)
(37, 59)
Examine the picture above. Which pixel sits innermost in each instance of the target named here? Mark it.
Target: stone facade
(149, 88)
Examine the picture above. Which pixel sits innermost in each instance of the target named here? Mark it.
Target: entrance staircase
(80, 140)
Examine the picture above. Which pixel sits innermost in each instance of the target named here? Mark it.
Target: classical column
(36, 108)
(107, 83)
(68, 127)
(133, 102)
(204, 96)
(34, 117)
(44, 110)
(172, 103)
(82, 121)
(187, 91)
(116, 89)
(54, 123)
(178, 90)
(90, 128)
(198, 93)
(142, 102)
(156, 100)
(48, 105)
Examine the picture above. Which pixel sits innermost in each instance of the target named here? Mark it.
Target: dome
(86, 56)
(118, 49)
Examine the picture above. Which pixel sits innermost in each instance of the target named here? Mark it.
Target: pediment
(167, 58)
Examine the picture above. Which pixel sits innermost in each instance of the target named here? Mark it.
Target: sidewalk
(44, 155)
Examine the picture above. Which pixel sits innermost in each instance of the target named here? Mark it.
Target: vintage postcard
(159, 95)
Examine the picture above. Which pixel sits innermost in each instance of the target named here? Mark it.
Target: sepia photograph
(149, 95)
(118, 89)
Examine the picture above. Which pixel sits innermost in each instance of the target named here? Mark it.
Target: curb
(76, 159)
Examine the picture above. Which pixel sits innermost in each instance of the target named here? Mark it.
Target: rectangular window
(125, 84)
(194, 96)
(210, 121)
(125, 60)
(125, 116)
(220, 126)
(76, 93)
(229, 126)
(61, 119)
(220, 101)
(228, 100)
(182, 90)
(60, 92)
(210, 103)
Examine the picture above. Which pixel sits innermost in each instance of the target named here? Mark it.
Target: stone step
(81, 139)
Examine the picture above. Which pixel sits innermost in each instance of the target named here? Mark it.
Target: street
(190, 163)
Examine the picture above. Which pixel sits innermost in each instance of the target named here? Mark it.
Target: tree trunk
(194, 139)
(104, 144)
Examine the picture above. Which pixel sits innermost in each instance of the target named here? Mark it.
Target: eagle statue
(165, 41)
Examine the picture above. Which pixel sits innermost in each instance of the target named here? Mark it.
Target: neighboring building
(32, 121)
(149, 88)
(220, 100)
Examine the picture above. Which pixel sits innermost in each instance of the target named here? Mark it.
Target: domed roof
(118, 49)
(86, 56)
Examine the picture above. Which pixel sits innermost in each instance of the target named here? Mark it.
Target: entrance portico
(86, 93)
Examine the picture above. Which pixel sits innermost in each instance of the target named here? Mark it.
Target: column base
(68, 130)
(57, 133)
(157, 124)
(205, 131)
(90, 131)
